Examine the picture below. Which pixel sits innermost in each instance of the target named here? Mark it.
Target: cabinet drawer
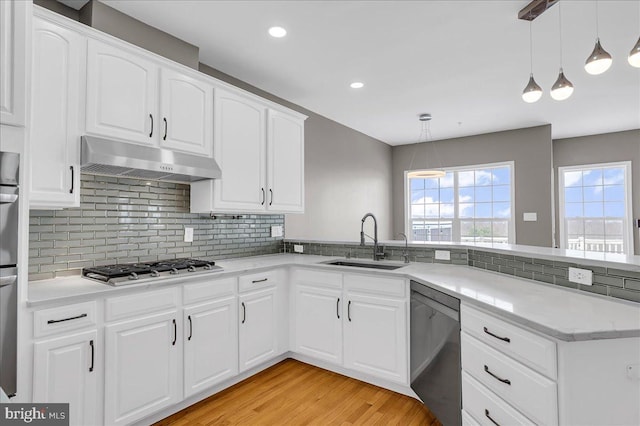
(529, 348)
(257, 281)
(209, 289)
(480, 403)
(64, 318)
(531, 393)
(377, 285)
(122, 307)
(317, 278)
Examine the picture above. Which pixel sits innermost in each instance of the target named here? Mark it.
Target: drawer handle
(93, 354)
(338, 308)
(504, 339)
(72, 179)
(488, 415)
(506, 381)
(66, 319)
(151, 132)
(190, 328)
(164, 138)
(349, 311)
(244, 313)
(259, 281)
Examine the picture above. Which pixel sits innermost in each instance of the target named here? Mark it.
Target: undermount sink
(371, 265)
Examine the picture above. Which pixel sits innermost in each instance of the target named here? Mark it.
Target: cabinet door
(65, 370)
(210, 344)
(239, 149)
(121, 94)
(258, 327)
(375, 339)
(141, 367)
(58, 55)
(13, 34)
(318, 323)
(285, 163)
(187, 113)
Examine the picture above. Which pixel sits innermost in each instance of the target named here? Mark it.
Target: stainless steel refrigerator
(9, 193)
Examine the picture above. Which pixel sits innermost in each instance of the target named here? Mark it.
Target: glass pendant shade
(634, 55)
(562, 88)
(599, 61)
(533, 92)
(426, 174)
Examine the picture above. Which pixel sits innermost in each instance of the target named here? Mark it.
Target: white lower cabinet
(258, 327)
(362, 327)
(375, 339)
(210, 344)
(141, 367)
(318, 322)
(66, 370)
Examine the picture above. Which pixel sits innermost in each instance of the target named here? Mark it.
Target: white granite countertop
(565, 314)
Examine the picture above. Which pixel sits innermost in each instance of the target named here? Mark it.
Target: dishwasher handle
(451, 313)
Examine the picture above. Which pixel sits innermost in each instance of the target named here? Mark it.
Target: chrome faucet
(405, 252)
(376, 255)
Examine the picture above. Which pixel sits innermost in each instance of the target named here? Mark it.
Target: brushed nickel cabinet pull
(506, 381)
(175, 333)
(151, 132)
(93, 353)
(190, 328)
(72, 179)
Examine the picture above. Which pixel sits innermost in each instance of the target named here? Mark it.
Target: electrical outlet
(443, 255)
(298, 248)
(188, 235)
(581, 276)
(276, 231)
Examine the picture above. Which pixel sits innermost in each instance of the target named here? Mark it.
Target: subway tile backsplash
(129, 220)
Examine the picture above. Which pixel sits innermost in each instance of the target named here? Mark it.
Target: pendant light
(634, 55)
(599, 60)
(426, 131)
(562, 88)
(532, 92)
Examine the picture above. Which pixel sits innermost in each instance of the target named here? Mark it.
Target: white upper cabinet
(58, 58)
(187, 113)
(136, 99)
(14, 17)
(239, 149)
(261, 154)
(121, 94)
(285, 163)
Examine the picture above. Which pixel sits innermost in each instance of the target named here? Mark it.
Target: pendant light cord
(597, 23)
(531, 47)
(560, 29)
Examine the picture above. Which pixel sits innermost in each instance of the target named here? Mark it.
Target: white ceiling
(465, 62)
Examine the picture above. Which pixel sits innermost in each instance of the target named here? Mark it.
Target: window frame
(456, 238)
(628, 230)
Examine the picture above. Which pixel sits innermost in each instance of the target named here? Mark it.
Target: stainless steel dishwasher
(435, 352)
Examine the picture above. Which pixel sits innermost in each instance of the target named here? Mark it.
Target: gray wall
(605, 148)
(347, 174)
(530, 149)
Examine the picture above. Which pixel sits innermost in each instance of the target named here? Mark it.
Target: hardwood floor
(294, 393)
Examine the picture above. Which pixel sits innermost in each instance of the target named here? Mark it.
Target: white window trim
(628, 230)
(456, 219)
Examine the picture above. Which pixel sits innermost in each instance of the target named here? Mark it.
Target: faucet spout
(376, 254)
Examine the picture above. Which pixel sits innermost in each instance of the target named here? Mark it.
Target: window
(595, 208)
(470, 204)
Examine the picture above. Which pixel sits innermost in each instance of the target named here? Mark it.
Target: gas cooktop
(129, 273)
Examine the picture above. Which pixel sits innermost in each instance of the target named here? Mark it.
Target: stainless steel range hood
(113, 158)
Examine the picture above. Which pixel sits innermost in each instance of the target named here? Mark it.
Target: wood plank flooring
(294, 393)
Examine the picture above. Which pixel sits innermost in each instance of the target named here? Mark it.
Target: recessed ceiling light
(277, 32)
(357, 85)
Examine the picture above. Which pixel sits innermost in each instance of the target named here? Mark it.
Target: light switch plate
(581, 276)
(530, 217)
(276, 231)
(188, 235)
(443, 255)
